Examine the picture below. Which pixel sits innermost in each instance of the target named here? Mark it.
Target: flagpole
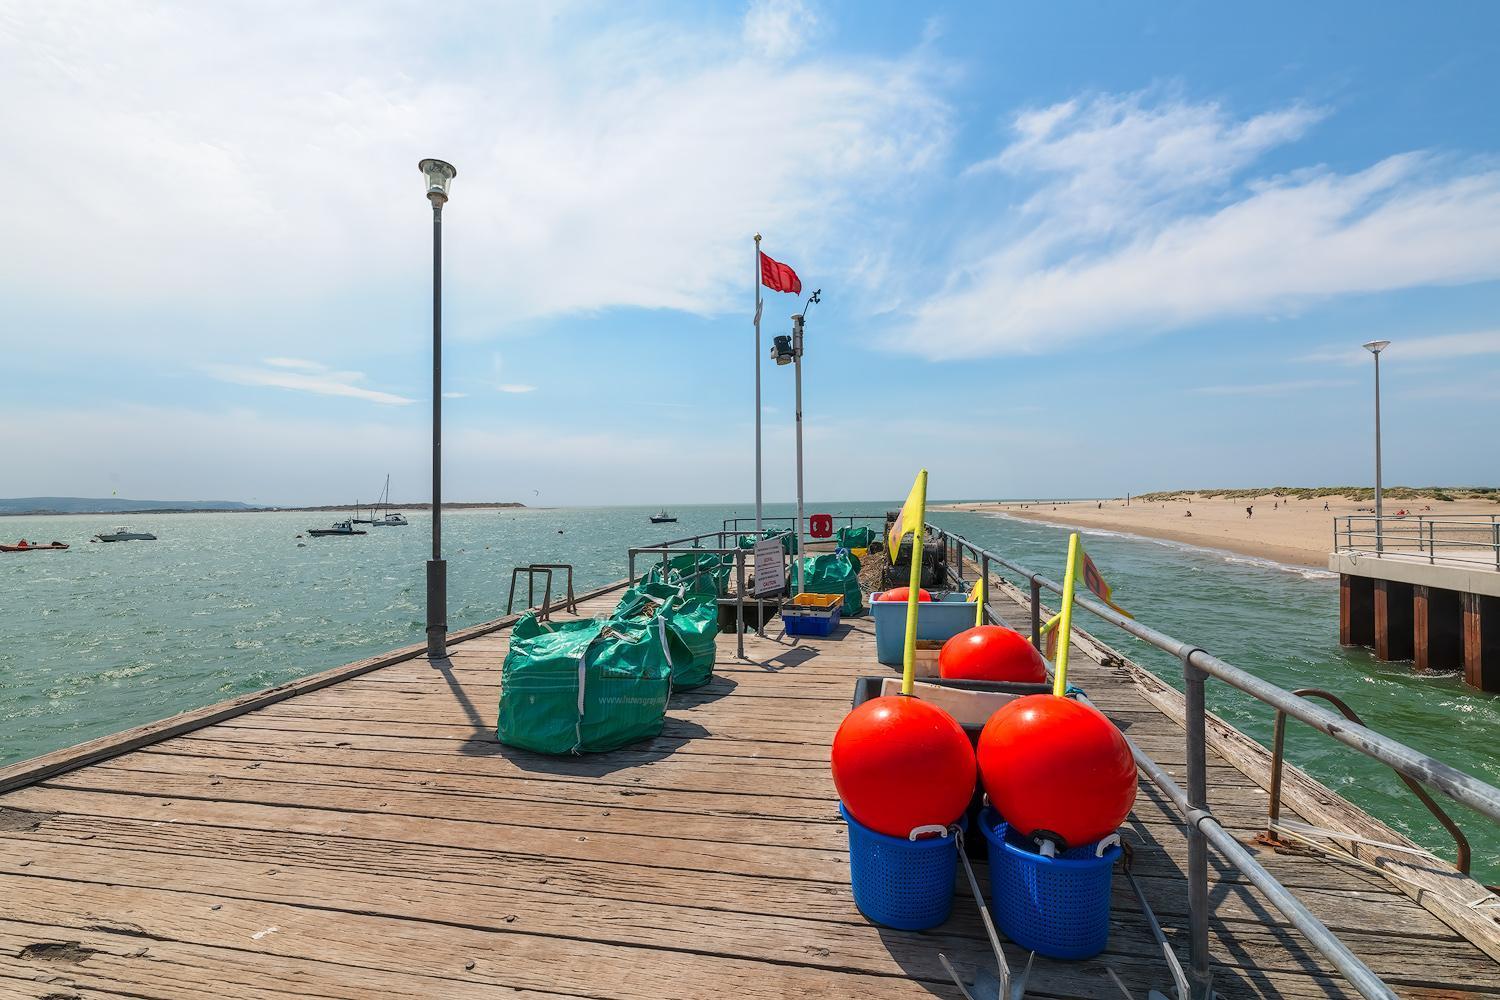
(914, 586)
(757, 388)
(1065, 620)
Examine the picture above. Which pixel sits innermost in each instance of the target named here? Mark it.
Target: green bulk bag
(583, 686)
(788, 540)
(692, 628)
(850, 537)
(835, 573)
(705, 572)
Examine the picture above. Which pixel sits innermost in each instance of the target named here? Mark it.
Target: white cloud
(1270, 388)
(296, 363)
(1444, 347)
(216, 159)
(778, 28)
(1111, 155)
(454, 395)
(321, 382)
(516, 387)
(1141, 227)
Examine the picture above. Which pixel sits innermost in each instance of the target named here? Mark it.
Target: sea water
(107, 636)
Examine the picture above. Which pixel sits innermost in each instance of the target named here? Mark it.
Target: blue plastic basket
(1058, 907)
(901, 883)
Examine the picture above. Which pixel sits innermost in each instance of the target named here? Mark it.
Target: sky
(1070, 249)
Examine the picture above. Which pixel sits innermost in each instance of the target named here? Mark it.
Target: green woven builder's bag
(835, 573)
(860, 537)
(703, 572)
(788, 539)
(583, 686)
(692, 627)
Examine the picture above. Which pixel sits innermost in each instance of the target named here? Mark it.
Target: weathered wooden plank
(27, 771)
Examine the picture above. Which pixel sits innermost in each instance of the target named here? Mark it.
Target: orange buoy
(1057, 768)
(900, 763)
(991, 653)
(904, 594)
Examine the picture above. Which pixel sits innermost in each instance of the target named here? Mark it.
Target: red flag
(778, 277)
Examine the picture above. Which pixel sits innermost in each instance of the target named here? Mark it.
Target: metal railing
(733, 523)
(545, 570)
(1471, 540)
(1278, 760)
(1203, 828)
(725, 545)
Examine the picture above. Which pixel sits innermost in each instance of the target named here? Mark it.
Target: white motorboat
(124, 533)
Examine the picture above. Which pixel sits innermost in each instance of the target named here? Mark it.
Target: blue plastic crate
(802, 622)
(898, 882)
(1058, 907)
(941, 619)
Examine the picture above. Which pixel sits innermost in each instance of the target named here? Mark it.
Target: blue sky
(1065, 249)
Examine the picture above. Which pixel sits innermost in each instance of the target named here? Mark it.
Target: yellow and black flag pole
(912, 514)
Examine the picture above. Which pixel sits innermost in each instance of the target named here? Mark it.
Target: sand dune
(1286, 529)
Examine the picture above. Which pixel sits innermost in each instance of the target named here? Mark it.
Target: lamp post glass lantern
(438, 176)
(1375, 347)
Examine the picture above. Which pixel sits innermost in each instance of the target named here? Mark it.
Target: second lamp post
(439, 177)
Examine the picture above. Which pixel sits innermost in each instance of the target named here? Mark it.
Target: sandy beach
(1286, 529)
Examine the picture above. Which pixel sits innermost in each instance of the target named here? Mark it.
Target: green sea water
(107, 636)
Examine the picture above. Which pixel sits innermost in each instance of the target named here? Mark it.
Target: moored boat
(24, 546)
(124, 533)
(339, 528)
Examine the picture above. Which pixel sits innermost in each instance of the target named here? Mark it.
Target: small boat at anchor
(663, 518)
(124, 533)
(24, 546)
(339, 528)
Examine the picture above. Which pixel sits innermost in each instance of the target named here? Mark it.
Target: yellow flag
(911, 520)
(1049, 631)
(1094, 580)
(912, 513)
(977, 596)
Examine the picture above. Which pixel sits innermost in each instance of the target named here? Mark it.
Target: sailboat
(390, 518)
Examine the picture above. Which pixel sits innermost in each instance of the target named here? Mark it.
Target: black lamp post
(439, 177)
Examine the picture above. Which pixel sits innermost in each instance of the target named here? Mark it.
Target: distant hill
(109, 505)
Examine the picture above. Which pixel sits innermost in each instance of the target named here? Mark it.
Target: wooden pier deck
(370, 838)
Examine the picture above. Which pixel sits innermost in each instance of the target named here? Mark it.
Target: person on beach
(1249, 511)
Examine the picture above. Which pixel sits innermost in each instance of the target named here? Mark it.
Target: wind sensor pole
(797, 324)
(757, 387)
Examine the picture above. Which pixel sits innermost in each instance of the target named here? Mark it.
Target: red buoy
(1054, 766)
(991, 653)
(904, 594)
(900, 763)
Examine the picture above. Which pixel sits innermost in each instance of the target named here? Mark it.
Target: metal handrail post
(1324, 940)
(984, 574)
(1036, 613)
(739, 599)
(1200, 974)
(630, 566)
